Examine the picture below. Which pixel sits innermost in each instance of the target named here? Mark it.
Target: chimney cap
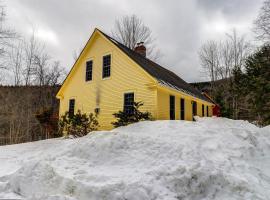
(140, 43)
(140, 48)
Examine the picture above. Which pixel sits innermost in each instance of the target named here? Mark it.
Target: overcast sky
(179, 27)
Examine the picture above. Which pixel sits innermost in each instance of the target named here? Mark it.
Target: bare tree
(131, 30)
(40, 68)
(16, 62)
(55, 74)
(6, 35)
(262, 23)
(209, 56)
(32, 48)
(240, 49)
(219, 58)
(226, 59)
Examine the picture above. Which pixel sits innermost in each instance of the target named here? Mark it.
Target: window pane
(129, 103)
(172, 108)
(89, 68)
(106, 70)
(182, 109)
(203, 110)
(71, 107)
(194, 109)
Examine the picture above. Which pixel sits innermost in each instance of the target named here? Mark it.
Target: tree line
(239, 71)
(24, 60)
(29, 80)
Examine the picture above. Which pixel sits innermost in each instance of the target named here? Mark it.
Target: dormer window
(106, 69)
(89, 70)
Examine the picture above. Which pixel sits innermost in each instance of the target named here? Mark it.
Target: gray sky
(179, 27)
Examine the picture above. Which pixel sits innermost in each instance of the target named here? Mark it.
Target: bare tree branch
(219, 58)
(262, 23)
(6, 35)
(131, 30)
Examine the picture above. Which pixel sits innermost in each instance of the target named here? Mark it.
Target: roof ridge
(162, 74)
(136, 52)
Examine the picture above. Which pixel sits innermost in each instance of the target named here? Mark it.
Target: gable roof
(164, 76)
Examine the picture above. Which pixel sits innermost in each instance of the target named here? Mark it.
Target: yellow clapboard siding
(164, 104)
(126, 76)
(108, 94)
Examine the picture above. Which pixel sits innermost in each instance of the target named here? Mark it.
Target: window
(182, 109)
(129, 103)
(89, 69)
(194, 109)
(172, 108)
(71, 107)
(106, 70)
(202, 110)
(207, 111)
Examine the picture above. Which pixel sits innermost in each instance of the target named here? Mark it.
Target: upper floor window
(129, 103)
(106, 69)
(71, 107)
(89, 70)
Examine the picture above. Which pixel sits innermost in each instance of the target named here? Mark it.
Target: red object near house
(216, 107)
(216, 110)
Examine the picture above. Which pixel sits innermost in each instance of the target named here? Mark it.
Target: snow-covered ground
(212, 158)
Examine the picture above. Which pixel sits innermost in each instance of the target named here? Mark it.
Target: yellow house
(108, 77)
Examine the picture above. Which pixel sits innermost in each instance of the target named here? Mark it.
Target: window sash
(89, 70)
(203, 110)
(172, 107)
(194, 108)
(106, 69)
(182, 109)
(71, 107)
(129, 103)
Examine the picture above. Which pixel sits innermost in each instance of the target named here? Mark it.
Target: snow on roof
(175, 87)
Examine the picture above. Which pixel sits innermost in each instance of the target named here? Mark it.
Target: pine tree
(257, 69)
(237, 89)
(78, 125)
(225, 109)
(124, 118)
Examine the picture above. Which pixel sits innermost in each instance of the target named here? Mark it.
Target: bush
(48, 120)
(78, 125)
(124, 118)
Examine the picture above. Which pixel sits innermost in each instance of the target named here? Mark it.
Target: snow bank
(213, 158)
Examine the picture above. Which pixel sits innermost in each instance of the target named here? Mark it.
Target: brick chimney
(140, 48)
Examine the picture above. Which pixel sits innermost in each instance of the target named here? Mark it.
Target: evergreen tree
(237, 90)
(225, 109)
(124, 118)
(257, 79)
(78, 125)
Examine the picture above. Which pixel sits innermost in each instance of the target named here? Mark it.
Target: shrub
(78, 125)
(48, 120)
(124, 118)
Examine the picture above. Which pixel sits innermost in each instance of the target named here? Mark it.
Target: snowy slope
(212, 158)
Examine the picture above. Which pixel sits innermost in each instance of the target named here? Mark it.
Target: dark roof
(164, 76)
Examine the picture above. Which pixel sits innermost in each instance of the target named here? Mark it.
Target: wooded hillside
(19, 110)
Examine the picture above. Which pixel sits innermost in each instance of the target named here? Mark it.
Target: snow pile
(213, 158)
